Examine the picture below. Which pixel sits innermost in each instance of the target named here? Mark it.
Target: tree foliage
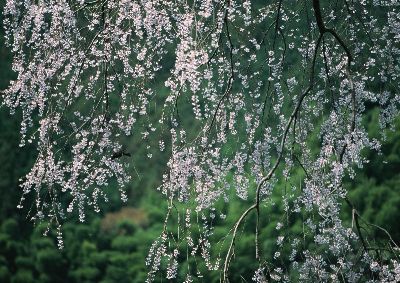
(262, 104)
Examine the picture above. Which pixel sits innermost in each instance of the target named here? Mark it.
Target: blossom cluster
(263, 81)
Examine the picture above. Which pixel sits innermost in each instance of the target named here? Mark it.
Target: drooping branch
(271, 172)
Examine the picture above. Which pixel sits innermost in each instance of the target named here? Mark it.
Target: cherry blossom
(263, 80)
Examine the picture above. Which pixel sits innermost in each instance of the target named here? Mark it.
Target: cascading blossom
(264, 81)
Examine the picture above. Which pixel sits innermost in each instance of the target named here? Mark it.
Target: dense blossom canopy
(265, 80)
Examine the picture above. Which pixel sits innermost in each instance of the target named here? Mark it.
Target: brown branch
(271, 172)
(232, 75)
(323, 30)
(355, 216)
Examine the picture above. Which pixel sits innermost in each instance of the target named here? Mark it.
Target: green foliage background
(112, 246)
